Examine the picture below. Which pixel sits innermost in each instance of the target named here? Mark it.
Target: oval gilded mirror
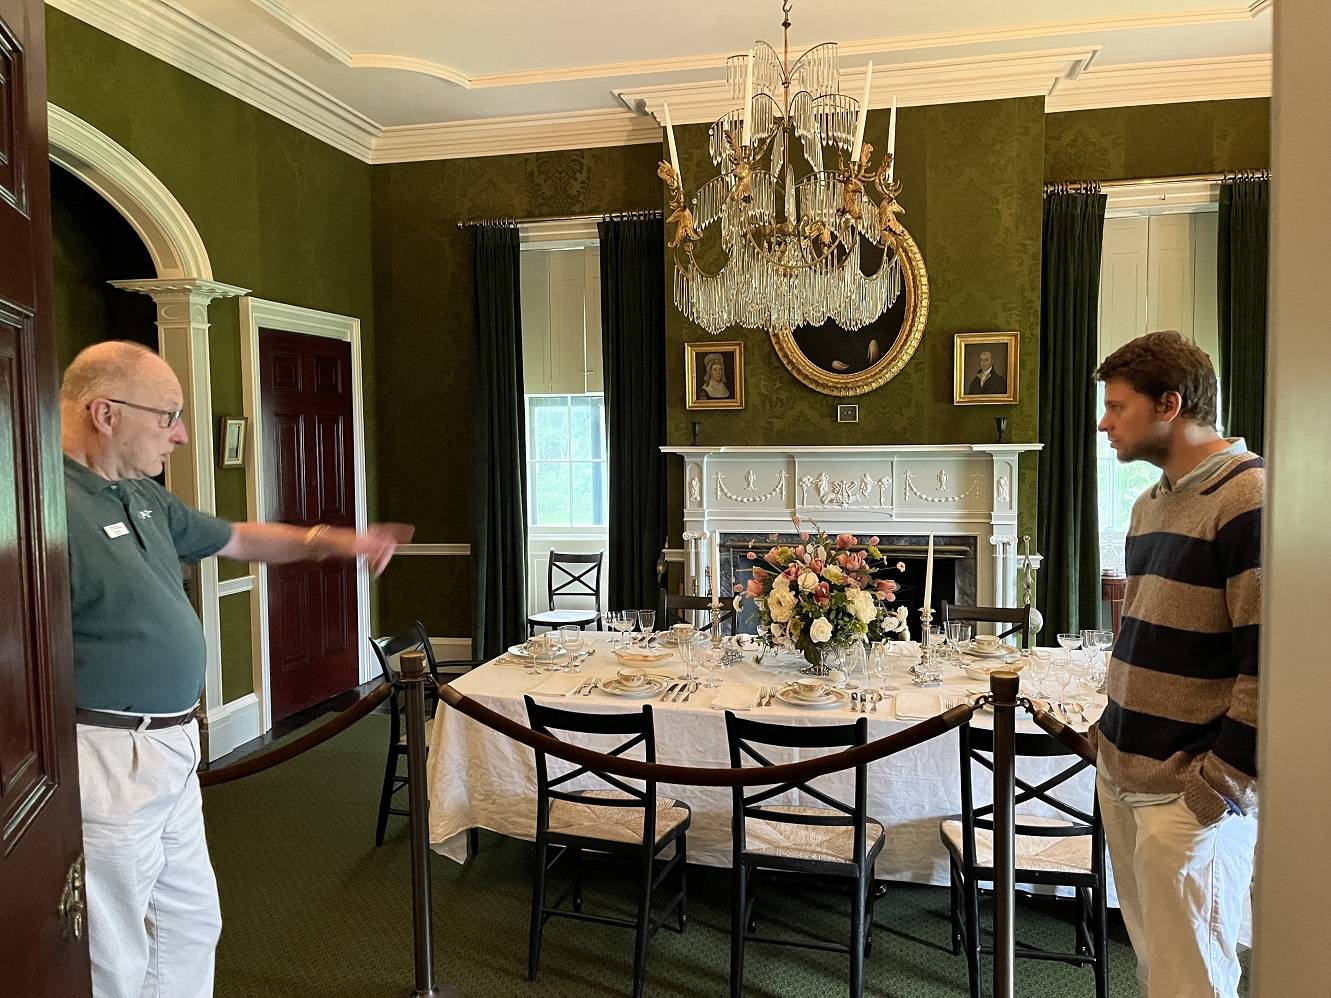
(837, 361)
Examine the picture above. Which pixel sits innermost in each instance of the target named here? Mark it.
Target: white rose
(781, 582)
(862, 605)
(808, 582)
(820, 630)
(778, 634)
(780, 604)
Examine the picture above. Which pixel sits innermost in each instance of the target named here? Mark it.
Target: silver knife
(668, 690)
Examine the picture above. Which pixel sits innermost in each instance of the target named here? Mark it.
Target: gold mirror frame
(916, 290)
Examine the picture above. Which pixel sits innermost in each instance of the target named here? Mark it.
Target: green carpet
(310, 906)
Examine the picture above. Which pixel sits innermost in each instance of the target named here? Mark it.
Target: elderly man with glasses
(139, 654)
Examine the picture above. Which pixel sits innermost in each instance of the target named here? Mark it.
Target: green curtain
(1241, 262)
(1068, 529)
(633, 354)
(499, 470)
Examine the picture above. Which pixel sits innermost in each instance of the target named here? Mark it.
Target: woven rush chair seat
(613, 824)
(1070, 854)
(557, 618)
(826, 843)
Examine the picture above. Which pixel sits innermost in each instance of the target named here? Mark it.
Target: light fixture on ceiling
(803, 239)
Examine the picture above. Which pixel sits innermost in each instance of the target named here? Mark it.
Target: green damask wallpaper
(1158, 140)
(971, 176)
(423, 296)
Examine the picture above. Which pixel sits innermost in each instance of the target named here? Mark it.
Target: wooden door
(40, 838)
(305, 383)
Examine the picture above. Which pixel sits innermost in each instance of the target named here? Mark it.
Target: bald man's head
(113, 369)
(120, 404)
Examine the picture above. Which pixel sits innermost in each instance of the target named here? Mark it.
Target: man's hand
(376, 545)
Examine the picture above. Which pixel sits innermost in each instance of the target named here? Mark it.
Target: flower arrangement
(824, 590)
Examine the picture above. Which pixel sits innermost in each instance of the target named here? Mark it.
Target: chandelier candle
(891, 138)
(674, 153)
(864, 115)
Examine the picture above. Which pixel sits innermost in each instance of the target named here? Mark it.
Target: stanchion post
(1004, 687)
(411, 681)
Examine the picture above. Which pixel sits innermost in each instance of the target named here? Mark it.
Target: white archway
(182, 290)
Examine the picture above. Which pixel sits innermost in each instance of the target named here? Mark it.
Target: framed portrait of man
(985, 369)
(714, 374)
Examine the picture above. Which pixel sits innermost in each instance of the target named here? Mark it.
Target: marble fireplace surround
(902, 492)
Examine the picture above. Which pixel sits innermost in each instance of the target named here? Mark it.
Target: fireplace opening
(954, 571)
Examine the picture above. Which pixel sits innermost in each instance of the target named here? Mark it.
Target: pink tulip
(887, 587)
(752, 556)
(845, 541)
(792, 571)
(795, 519)
(773, 556)
(759, 574)
(822, 594)
(817, 565)
(873, 541)
(755, 588)
(891, 597)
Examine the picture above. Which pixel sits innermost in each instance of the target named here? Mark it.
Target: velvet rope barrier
(793, 772)
(1066, 736)
(258, 763)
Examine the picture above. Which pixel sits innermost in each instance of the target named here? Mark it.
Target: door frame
(254, 314)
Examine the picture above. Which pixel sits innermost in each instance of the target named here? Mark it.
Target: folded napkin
(736, 696)
(558, 684)
(912, 704)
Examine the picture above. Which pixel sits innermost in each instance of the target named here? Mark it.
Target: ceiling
(413, 79)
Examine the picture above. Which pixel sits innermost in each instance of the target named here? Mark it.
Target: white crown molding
(937, 81)
(715, 60)
(1164, 83)
(177, 37)
(502, 136)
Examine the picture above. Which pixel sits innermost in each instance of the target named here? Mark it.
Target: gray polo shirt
(138, 644)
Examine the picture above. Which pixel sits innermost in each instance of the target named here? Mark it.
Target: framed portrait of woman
(714, 375)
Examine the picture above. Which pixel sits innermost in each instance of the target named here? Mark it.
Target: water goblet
(647, 624)
(958, 632)
(712, 659)
(1039, 663)
(570, 636)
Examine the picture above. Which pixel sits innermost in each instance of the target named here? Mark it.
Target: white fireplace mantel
(892, 488)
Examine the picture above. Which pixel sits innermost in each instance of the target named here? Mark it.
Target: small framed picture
(231, 452)
(847, 413)
(984, 368)
(714, 375)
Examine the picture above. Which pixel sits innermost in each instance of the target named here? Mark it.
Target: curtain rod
(1094, 186)
(534, 220)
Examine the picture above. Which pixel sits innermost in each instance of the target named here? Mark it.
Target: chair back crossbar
(673, 606)
(1019, 617)
(573, 583)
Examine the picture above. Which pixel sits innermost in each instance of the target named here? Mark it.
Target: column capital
(174, 289)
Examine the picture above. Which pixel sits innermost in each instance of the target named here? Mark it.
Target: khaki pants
(153, 914)
(1182, 888)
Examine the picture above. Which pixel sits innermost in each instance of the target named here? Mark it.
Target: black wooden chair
(1065, 851)
(570, 575)
(384, 650)
(619, 822)
(838, 840)
(675, 609)
(1017, 617)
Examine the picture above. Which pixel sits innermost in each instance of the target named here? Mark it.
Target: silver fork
(771, 695)
(588, 690)
(762, 696)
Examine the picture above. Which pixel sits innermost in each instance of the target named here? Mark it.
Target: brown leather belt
(105, 719)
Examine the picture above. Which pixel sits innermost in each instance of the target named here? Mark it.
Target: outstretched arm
(277, 543)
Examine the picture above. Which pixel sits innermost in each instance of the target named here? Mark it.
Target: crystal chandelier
(804, 241)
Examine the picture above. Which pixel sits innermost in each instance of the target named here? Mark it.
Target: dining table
(479, 778)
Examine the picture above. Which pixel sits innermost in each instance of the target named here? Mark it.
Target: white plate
(835, 699)
(522, 651)
(654, 684)
(999, 652)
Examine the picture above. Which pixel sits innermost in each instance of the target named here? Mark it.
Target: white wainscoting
(232, 724)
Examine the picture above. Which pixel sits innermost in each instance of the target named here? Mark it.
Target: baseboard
(230, 725)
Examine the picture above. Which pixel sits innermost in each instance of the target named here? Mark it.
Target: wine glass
(570, 636)
(622, 621)
(857, 662)
(1039, 664)
(647, 624)
(1069, 642)
(958, 632)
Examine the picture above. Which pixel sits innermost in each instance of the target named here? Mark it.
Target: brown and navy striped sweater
(1182, 713)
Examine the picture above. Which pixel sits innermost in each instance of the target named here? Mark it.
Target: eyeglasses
(169, 417)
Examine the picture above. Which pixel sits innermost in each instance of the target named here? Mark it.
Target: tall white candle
(891, 140)
(747, 109)
(864, 114)
(716, 565)
(674, 153)
(929, 575)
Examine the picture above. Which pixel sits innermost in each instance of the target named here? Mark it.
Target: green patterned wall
(1158, 140)
(279, 211)
(423, 296)
(971, 176)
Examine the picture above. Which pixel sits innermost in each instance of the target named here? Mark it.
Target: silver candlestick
(925, 672)
(729, 656)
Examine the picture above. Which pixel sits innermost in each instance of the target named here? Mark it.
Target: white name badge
(116, 530)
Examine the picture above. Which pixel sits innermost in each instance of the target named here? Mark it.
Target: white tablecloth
(479, 778)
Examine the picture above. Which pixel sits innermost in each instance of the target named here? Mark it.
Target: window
(567, 479)
(1157, 271)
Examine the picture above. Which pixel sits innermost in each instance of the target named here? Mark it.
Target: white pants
(153, 914)
(1182, 888)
